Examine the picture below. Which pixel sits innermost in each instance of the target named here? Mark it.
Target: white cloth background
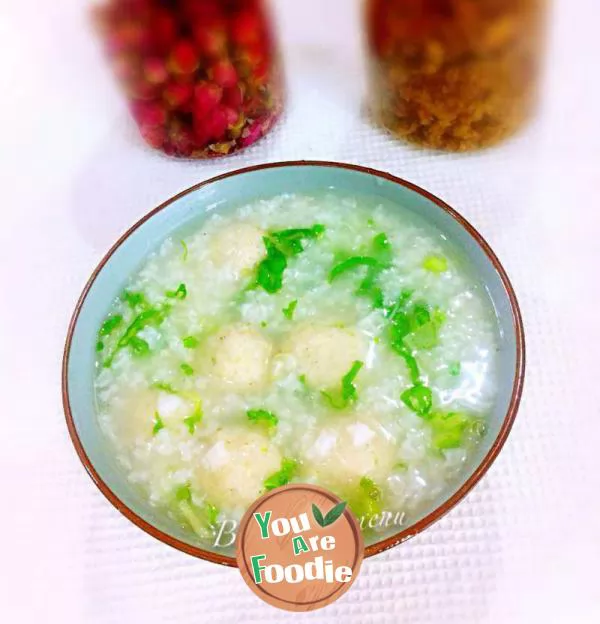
(523, 547)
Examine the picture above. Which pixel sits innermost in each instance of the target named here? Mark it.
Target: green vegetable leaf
(352, 263)
(180, 293)
(183, 493)
(270, 271)
(291, 242)
(148, 317)
(158, 423)
(289, 310)
(347, 393)
(318, 516)
(282, 476)
(99, 345)
(186, 369)
(418, 399)
(201, 518)
(134, 299)
(165, 387)
(366, 500)
(334, 513)
(110, 324)
(404, 351)
(399, 305)
(454, 369)
(184, 256)
(279, 247)
(435, 263)
(368, 288)
(190, 342)
(191, 422)
(448, 429)
(262, 416)
(382, 248)
(139, 346)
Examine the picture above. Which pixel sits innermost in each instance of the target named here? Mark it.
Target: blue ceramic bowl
(182, 212)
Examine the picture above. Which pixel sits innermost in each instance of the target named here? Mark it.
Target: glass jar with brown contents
(453, 74)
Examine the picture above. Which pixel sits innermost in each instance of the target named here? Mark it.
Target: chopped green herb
(419, 399)
(202, 519)
(365, 502)
(401, 466)
(186, 369)
(403, 350)
(158, 423)
(165, 387)
(283, 476)
(347, 393)
(448, 429)
(99, 345)
(190, 342)
(289, 310)
(262, 416)
(148, 317)
(183, 493)
(139, 346)
(270, 271)
(134, 299)
(291, 242)
(279, 247)
(110, 324)
(191, 422)
(382, 247)
(399, 305)
(264, 324)
(184, 256)
(435, 264)
(454, 369)
(368, 288)
(180, 293)
(353, 262)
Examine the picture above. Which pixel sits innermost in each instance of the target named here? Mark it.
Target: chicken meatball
(241, 357)
(344, 452)
(238, 248)
(235, 465)
(325, 354)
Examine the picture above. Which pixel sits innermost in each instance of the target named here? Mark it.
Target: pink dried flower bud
(155, 70)
(223, 73)
(148, 114)
(176, 94)
(153, 135)
(233, 96)
(184, 58)
(207, 96)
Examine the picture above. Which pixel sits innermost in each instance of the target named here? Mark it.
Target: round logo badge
(299, 547)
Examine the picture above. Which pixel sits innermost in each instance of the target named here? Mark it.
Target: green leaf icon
(318, 515)
(334, 513)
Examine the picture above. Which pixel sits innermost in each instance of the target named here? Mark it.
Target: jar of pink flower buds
(202, 77)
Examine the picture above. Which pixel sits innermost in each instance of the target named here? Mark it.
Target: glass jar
(453, 74)
(202, 77)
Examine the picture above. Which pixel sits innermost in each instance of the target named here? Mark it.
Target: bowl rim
(396, 538)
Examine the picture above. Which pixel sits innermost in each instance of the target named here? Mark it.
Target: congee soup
(319, 338)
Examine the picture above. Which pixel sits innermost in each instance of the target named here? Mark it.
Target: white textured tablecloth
(523, 547)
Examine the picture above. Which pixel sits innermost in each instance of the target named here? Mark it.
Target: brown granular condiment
(453, 74)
